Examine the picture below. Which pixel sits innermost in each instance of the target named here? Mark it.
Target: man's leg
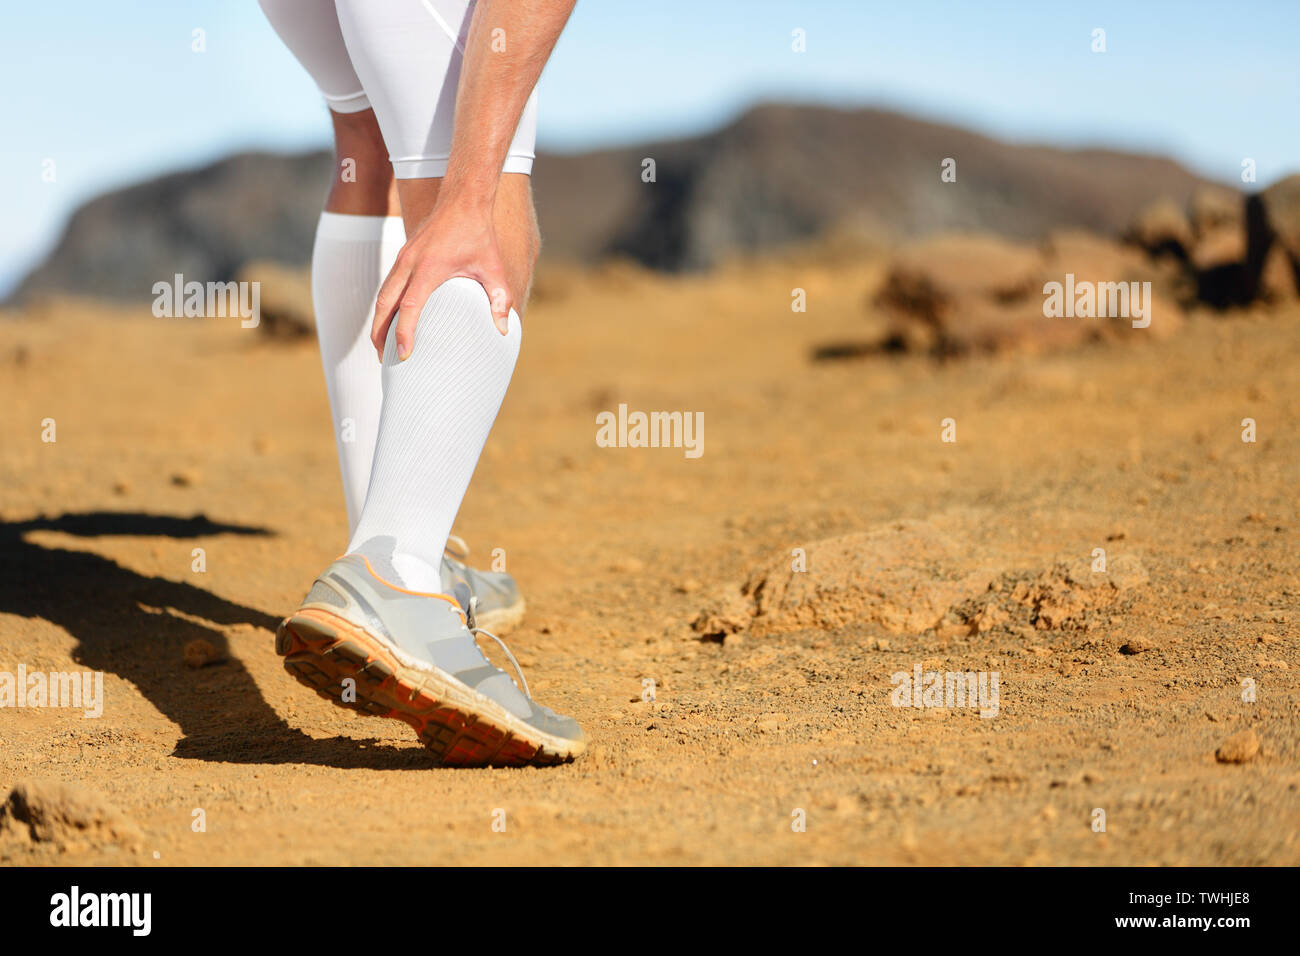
(381, 630)
(357, 239)
(439, 404)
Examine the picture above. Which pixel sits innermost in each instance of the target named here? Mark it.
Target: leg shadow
(137, 627)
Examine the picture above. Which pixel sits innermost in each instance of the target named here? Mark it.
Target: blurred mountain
(777, 174)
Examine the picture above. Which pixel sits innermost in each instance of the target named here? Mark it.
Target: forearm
(508, 44)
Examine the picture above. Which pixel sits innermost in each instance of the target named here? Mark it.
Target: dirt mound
(902, 577)
(910, 576)
(976, 293)
(1069, 594)
(63, 814)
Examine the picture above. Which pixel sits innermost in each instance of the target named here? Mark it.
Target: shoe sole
(459, 726)
(503, 620)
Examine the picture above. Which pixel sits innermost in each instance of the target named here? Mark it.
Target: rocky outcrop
(777, 174)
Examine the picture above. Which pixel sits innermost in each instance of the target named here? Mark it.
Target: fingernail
(403, 351)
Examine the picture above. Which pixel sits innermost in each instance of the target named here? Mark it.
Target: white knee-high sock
(351, 257)
(439, 406)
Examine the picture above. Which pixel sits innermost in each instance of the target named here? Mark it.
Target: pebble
(199, 653)
(1239, 748)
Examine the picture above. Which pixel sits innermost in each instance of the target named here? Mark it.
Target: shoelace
(474, 629)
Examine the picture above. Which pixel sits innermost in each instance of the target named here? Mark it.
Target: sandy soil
(1133, 446)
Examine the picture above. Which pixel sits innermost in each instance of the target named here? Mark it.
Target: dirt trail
(1132, 446)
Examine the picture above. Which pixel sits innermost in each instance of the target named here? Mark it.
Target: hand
(455, 240)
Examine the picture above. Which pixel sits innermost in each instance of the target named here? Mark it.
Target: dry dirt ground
(975, 555)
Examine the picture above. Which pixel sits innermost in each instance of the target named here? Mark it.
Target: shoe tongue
(462, 595)
(379, 552)
(450, 575)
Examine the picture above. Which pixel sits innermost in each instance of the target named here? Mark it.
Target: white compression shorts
(400, 57)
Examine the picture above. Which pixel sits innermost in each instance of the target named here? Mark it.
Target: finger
(417, 293)
(501, 301)
(390, 294)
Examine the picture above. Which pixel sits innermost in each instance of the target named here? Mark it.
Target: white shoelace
(475, 630)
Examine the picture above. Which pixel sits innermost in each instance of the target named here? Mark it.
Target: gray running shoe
(497, 604)
(413, 656)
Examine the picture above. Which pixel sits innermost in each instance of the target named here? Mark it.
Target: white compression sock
(439, 406)
(351, 257)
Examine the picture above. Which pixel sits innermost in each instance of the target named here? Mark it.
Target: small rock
(199, 653)
(1239, 748)
(689, 586)
(1135, 646)
(186, 478)
(725, 615)
(950, 629)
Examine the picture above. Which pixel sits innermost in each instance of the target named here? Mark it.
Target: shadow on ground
(137, 626)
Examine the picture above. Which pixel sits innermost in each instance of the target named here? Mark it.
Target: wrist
(467, 196)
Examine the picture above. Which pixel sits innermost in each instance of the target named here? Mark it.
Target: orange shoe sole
(460, 726)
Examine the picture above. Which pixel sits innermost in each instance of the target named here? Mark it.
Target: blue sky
(113, 93)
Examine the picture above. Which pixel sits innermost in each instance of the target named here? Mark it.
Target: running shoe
(414, 657)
